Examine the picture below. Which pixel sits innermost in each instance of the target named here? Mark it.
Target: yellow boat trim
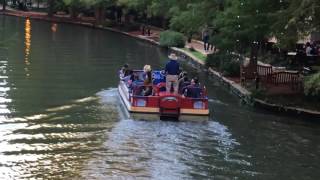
(195, 111)
(123, 94)
(144, 109)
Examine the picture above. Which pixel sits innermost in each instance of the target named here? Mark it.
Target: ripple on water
(167, 150)
(54, 143)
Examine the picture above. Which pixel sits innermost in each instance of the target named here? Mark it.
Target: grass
(197, 54)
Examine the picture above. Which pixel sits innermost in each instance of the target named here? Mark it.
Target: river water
(61, 117)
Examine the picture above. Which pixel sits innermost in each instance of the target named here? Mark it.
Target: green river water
(61, 117)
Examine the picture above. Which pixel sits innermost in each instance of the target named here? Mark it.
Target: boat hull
(154, 113)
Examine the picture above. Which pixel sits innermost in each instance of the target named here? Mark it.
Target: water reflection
(4, 86)
(27, 43)
(54, 27)
(52, 143)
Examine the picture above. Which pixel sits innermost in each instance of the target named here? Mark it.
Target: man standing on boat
(172, 71)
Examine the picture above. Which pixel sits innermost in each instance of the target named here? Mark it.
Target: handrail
(285, 77)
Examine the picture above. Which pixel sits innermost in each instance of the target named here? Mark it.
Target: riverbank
(233, 86)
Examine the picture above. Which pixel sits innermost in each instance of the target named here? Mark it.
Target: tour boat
(161, 103)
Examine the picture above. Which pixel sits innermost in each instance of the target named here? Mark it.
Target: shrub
(227, 63)
(258, 93)
(172, 39)
(109, 23)
(312, 86)
(131, 27)
(273, 59)
(214, 60)
(231, 67)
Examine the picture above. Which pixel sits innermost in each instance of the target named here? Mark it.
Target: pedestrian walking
(205, 38)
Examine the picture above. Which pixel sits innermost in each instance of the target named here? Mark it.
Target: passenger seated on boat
(183, 81)
(146, 68)
(147, 88)
(128, 76)
(124, 71)
(184, 84)
(134, 82)
(182, 74)
(193, 90)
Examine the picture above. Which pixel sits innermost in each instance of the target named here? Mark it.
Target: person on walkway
(172, 71)
(148, 30)
(210, 41)
(205, 38)
(308, 49)
(143, 29)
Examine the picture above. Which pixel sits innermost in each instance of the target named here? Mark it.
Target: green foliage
(78, 4)
(236, 24)
(274, 59)
(227, 63)
(312, 86)
(172, 39)
(186, 22)
(296, 20)
(109, 23)
(243, 22)
(192, 17)
(129, 27)
(231, 68)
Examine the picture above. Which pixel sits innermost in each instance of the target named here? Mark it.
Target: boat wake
(110, 100)
(109, 96)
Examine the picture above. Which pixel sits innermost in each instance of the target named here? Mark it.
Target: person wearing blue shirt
(172, 71)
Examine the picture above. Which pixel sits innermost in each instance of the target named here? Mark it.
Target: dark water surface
(61, 118)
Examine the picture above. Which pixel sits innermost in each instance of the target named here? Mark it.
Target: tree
(296, 20)
(100, 7)
(4, 4)
(243, 22)
(50, 7)
(193, 16)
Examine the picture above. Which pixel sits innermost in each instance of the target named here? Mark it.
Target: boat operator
(172, 71)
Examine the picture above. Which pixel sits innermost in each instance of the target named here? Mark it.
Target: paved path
(155, 35)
